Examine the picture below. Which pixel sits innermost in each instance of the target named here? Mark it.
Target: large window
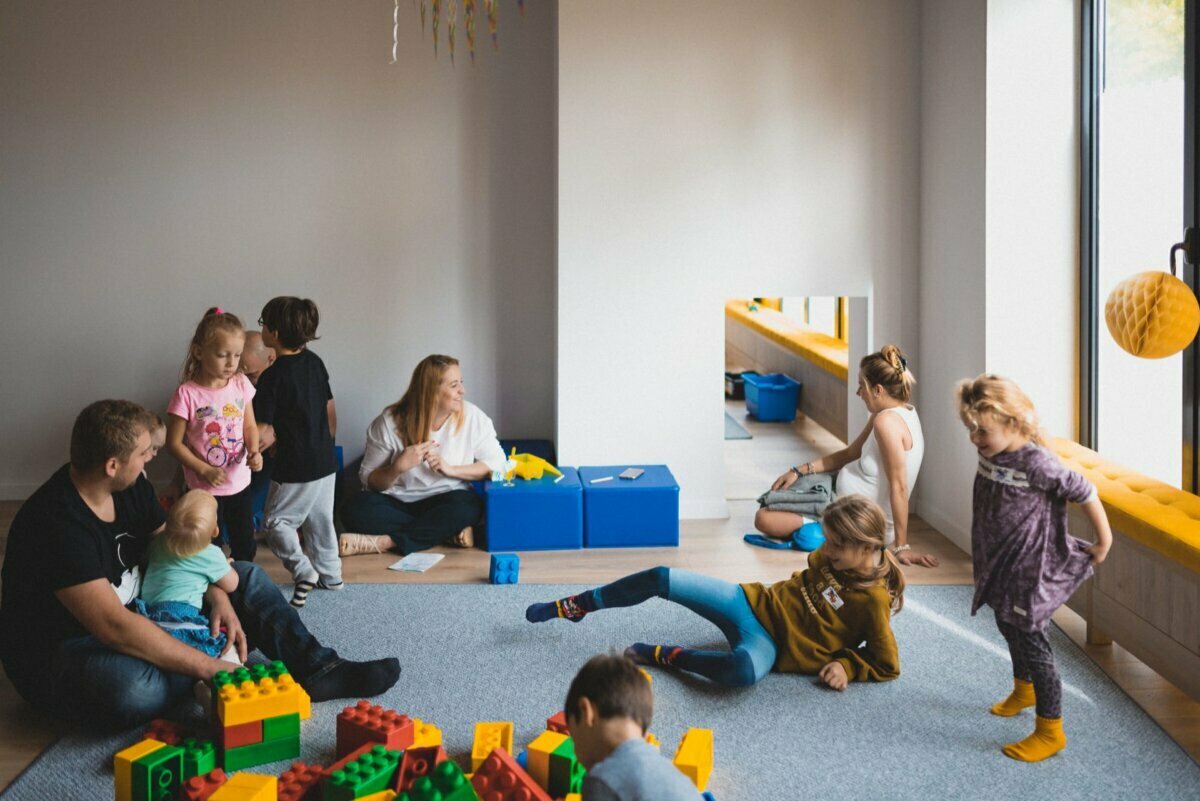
(1134, 191)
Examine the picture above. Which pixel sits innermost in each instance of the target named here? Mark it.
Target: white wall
(159, 158)
(953, 192)
(708, 152)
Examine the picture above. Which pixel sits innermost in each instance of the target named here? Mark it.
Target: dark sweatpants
(412, 525)
(1033, 661)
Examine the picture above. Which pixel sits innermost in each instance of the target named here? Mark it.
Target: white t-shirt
(865, 475)
(474, 442)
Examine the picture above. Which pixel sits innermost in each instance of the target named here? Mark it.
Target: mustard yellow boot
(1046, 741)
(1022, 697)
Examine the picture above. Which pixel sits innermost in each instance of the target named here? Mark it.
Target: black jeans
(413, 525)
(236, 514)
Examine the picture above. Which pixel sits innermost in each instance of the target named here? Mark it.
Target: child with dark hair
(295, 400)
(609, 706)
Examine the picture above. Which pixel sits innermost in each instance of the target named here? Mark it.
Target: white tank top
(865, 475)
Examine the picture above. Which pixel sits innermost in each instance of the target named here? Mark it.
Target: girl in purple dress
(1026, 563)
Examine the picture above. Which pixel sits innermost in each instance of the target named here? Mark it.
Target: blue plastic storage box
(772, 397)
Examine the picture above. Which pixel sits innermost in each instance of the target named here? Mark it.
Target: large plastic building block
(446, 783)
(694, 757)
(488, 736)
(382, 795)
(558, 722)
(539, 756)
(425, 734)
(373, 771)
(158, 775)
(242, 734)
(277, 728)
(248, 756)
(505, 568)
(566, 773)
(350, 757)
(301, 782)
(500, 778)
(256, 693)
(168, 731)
(247, 787)
(123, 766)
(544, 514)
(366, 723)
(637, 513)
(417, 763)
(201, 788)
(653, 740)
(199, 757)
(573, 797)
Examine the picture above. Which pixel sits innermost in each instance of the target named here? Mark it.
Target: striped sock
(647, 654)
(300, 592)
(572, 608)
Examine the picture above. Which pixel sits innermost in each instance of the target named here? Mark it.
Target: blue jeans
(88, 682)
(413, 525)
(752, 648)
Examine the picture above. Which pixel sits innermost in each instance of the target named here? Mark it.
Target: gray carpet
(468, 655)
(734, 429)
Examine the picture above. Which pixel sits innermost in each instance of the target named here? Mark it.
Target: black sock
(354, 679)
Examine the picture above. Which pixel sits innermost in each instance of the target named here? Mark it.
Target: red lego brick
(500, 778)
(168, 731)
(348, 758)
(367, 723)
(301, 782)
(199, 788)
(243, 734)
(417, 762)
(558, 723)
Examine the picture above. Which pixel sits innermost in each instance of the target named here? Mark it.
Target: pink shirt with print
(214, 430)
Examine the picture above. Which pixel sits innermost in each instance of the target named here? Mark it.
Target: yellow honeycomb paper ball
(1152, 315)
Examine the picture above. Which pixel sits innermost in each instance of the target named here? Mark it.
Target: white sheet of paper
(417, 562)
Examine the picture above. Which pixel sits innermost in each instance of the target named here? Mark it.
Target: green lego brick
(372, 772)
(282, 726)
(563, 770)
(158, 775)
(249, 673)
(247, 756)
(445, 783)
(199, 757)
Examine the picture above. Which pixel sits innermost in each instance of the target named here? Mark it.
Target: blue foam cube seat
(505, 568)
(541, 514)
(620, 513)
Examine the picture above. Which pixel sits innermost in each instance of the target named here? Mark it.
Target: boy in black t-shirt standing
(295, 399)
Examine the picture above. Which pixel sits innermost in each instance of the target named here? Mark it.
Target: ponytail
(889, 369)
(214, 320)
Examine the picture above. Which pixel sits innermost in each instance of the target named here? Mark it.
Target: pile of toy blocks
(258, 711)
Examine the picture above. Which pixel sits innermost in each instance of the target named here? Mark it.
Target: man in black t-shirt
(68, 639)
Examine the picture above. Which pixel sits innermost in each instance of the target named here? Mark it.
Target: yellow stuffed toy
(528, 466)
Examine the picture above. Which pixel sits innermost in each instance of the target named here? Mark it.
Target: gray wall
(161, 157)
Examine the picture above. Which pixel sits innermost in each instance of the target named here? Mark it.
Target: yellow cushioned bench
(829, 353)
(1146, 594)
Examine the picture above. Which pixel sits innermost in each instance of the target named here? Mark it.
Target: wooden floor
(714, 547)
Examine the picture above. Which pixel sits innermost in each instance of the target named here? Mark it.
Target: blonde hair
(889, 369)
(855, 520)
(214, 320)
(190, 524)
(414, 411)
(1003, 400)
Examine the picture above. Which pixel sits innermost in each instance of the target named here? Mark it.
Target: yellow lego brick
(650, 738)
(425, 734)
(539, 756)
(573, 797)
(489, 736)
(382, 795)
(268, 698)
(123, 766)
(247, 787)
(695, 756)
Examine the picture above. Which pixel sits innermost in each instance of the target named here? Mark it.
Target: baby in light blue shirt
(182, 563)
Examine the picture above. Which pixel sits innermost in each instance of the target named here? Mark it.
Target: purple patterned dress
(1026, 564)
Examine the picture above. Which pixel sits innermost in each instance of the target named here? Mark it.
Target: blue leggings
(752, 649)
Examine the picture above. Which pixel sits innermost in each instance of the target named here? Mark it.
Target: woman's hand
(784, 481)
(413, 455)
(221, 614)
(438, 465)
(914, 558)
(834, 676)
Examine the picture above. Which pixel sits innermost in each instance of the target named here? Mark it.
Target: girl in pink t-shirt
(211, 428)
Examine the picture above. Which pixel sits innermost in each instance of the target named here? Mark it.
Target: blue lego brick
(505, 568)
(537, 515)
(618, 513)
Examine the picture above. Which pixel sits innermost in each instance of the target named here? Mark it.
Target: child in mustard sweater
(812, 623)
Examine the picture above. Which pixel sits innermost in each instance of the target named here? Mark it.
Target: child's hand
(254, 459)
(784, 481)
(1098, 551)
(834, 676)
(214, 476)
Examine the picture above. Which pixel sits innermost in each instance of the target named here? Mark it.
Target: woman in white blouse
(881, 463)
(422, 453)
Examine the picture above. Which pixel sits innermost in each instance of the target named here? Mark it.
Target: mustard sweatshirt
(816, 617)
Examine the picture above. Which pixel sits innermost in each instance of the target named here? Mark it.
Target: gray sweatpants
(290, 506)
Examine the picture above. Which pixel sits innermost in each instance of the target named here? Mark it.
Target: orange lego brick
(500, 778)
(201, 788)
(247, 787)
(489, 736)
(301, 782)
(243, 734)
(694, 757)
(168, 731)
(539, 756)
(367, 723)
(557, 722)
(417, 763)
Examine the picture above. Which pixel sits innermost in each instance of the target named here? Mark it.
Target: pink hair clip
(218, 310)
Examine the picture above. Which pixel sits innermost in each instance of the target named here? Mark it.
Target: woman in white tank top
(882, 463)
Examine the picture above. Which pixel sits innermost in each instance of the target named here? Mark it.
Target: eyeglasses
(260, 322)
